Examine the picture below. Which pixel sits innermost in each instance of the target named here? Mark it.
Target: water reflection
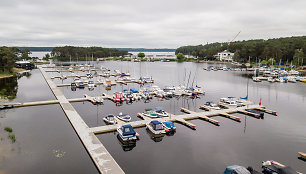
(126, 145)
(9, 86)
(155, 137)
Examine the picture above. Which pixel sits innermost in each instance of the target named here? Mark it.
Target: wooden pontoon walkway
(103, 160)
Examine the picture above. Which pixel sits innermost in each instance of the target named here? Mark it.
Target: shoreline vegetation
(11, 74)
(289, 50)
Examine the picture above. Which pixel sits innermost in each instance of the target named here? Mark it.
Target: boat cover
(128, 130)
(237, 169)
(157, 125)
(133, 90)
(169, 124)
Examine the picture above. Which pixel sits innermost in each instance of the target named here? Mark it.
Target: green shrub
(12, 137)
(8, 129)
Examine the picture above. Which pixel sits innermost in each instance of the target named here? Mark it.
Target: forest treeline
(8, 57)
(81, 53)
(281, 49)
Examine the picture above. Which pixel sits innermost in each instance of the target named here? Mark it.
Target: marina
(185, 115)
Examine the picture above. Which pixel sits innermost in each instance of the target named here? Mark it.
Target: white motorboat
(127, 133)
(124, 117)
(156, 127)
(212, 105)
(110, 119)
(160, 112)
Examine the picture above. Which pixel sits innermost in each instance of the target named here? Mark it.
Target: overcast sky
(146, 23)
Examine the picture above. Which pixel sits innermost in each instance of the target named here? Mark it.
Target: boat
(89, 75)
(293, 72)
(302, 155)
(236, 169)
(91, 84)
(169, 125)
(73, 84)
(259, 114)
(255, 78)
(150, 113)
(146, 80)
(212, 105)
(124, 117)
(291, 80)
(6, 106)
(281, 80)
(146, 95)
(127, 133)
(110, 119)
(156, 127)
(98, 100)
(273, 167)
(231, 102)
(160, 112)
(271, 79)
(133, 90)
(129, 96)
(80, 85)
(118, 97)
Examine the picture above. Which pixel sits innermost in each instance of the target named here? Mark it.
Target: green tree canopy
(7, 59)
(46, 57)
(279, 49)
(141, 55)
(25, 54)
(180, 56)
(271, 61)
(298, 58)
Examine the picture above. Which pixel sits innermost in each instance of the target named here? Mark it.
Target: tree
(271, 61)
(298, 57)
(25, 54)
(180, 57)
(141, 55)
(264, 62)
(236, 56)
(46, 57)
(7, 59)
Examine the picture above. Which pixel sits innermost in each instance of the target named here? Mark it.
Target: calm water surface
(46, 142)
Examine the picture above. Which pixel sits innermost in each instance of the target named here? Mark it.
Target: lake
(47, 143)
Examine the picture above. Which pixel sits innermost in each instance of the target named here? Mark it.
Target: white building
(225, 56)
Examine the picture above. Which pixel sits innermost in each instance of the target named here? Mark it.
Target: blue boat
(170, 126)
(133, 90)
(127, 133)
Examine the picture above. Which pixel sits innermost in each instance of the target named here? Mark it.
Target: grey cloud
(143, 23)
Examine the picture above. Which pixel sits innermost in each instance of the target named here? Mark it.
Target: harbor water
(47, 143)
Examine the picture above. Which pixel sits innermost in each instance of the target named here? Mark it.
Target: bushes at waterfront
(281, 49)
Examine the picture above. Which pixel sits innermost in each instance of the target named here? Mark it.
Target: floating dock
(179, 118)
(103, 160)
